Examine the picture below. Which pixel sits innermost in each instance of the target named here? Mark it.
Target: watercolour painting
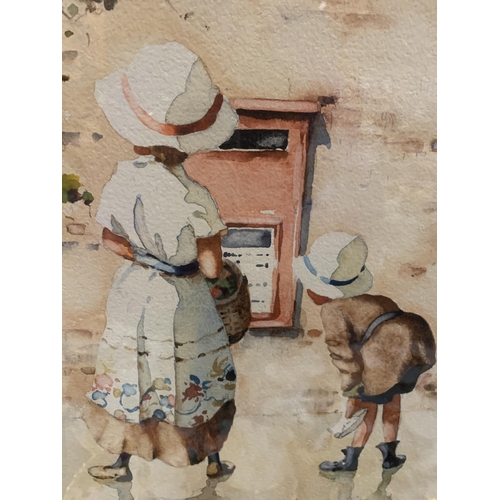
(249, 249)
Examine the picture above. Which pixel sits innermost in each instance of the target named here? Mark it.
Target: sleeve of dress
(115, 209)
(205, 218)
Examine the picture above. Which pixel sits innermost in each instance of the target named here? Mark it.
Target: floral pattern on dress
(222, 383)
(108, 391)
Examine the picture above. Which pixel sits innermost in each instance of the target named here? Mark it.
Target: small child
(379, 350)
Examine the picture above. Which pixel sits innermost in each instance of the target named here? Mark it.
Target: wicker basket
(235, 310)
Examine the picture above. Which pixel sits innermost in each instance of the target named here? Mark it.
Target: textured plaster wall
(378, 179)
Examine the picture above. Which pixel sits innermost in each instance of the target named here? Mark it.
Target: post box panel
(253, 249)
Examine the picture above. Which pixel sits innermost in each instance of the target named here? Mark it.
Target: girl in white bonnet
(165, 380)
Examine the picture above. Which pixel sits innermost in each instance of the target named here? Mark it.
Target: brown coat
(395, 347)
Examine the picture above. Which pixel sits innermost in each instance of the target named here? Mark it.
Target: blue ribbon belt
(158, 265)
(329, 281)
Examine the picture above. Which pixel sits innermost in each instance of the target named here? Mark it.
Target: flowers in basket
(225, 285)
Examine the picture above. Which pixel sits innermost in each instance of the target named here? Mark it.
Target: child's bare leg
(352, 406)
(390, 418)
(347, 424)
(363, 432)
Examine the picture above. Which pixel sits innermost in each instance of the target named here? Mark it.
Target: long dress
(165, 380)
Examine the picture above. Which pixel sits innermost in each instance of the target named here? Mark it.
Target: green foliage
(70, 194)
(70, 181)
(87, 197)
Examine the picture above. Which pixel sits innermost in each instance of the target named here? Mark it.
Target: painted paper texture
(249, 250)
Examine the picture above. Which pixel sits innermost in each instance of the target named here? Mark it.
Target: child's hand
(354, 392)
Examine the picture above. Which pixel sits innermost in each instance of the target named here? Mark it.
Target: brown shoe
(214, 470)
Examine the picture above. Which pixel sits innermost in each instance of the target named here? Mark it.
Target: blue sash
(158, 265)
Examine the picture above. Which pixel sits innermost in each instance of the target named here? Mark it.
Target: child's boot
(350, 462)
(391, 460)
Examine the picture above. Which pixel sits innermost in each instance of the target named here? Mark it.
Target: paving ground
(286, 395)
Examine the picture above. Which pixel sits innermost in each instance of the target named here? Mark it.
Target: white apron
(165, 353)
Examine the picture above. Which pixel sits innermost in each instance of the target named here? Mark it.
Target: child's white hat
(335, 266)
(166, 98)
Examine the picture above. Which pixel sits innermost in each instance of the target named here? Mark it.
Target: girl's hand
(117, 244)
(210, 256)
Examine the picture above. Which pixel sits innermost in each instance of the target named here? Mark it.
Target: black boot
(350, 462)
(123, 461)
(391, 460)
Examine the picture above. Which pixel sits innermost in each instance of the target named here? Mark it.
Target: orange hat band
(165, 128)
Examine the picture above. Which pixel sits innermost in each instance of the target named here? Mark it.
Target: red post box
(257, 179)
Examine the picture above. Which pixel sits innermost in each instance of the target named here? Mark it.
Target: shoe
(220, 472)
(345, 426)
(108, 473)
(391, 460)
(350, 462)
(214, 470)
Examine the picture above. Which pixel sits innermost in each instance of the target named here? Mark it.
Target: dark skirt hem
(157, 439)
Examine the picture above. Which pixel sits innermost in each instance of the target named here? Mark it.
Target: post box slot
(247, 238)
(257, 139)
